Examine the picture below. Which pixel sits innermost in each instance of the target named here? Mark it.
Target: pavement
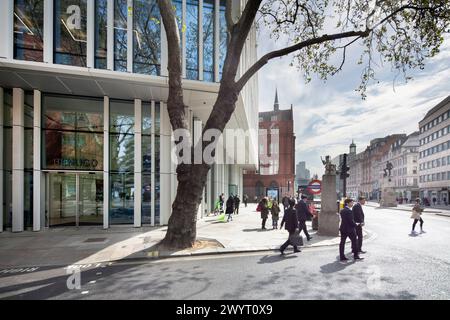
(93, 245)
(439, 210)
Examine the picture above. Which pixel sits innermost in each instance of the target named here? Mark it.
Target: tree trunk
(182, 231)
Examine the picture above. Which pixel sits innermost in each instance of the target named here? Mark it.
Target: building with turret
(276, 174)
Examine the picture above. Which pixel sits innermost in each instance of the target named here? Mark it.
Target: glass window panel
(122, 198)
(28, 199)
(192, 29)
(157, 181)
(120, 35)
(122, 117)
(70, 32)
(146, 153)
(7, 159)
(28, 30)
(223, 38)
(73, 150)
(157, 118)
(146, 118)
(208, 40)
(72, 113)
(147, 37)
(146, 199)
(121, 152)
(101, 43)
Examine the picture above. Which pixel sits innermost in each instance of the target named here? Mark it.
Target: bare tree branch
(285, 51)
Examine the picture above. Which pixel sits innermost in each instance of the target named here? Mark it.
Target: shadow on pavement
(335, 266)
(276, 258)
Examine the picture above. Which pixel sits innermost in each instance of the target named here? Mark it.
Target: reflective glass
(121, 152)
(72, 133)
(7, 159)
(28, 29)
(146, 198)
(122, 198)
(208, 40)
(70, 32)
(192, 29)
(120, 35)
(101, 20)
(223, 36)
(122, 116)
(147, 37)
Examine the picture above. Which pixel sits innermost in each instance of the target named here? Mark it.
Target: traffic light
(344, 168)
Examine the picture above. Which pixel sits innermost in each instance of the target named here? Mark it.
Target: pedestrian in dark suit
(230, 208)
(237, 202)
(302, 214)
(348, 229)
(290, 218)
(358, 215)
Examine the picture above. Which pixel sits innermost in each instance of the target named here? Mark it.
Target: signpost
(315, 187)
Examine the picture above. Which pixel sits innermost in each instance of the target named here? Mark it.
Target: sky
(329, 115)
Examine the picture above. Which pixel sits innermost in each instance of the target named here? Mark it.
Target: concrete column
(38, 191)
(106, 187)
(7, 29)
(137, 163)
(110, 36)
(48, 31)
(153, 165)
(1, 156)
(18, 160)
(166, 166)
(130, 36)
(90, 47)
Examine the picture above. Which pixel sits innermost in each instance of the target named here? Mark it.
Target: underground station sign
(315, 187)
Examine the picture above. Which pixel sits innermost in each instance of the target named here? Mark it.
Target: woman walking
(264, 211)
(275, 211)
(416, 215)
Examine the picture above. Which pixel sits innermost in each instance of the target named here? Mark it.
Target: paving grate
(95, 240)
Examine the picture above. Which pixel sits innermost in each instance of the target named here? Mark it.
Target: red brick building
(276, 174)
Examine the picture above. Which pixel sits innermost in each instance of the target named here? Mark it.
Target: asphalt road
(396, 266)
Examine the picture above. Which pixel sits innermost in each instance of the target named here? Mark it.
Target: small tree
(402, 32)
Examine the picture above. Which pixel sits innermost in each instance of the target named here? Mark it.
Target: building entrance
(74, 199)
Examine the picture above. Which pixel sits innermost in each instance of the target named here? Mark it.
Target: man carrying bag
(290, 218)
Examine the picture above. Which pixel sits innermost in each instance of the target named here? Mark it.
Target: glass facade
(7, 159)
(70, 32)
(192, 37)
(223, 36)
(121, 143)
(72, 133)
(146, 163)
(29, 30)
(120, 35)
(147, 37)
(208, 40)
(101, 22)
(28, 160)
